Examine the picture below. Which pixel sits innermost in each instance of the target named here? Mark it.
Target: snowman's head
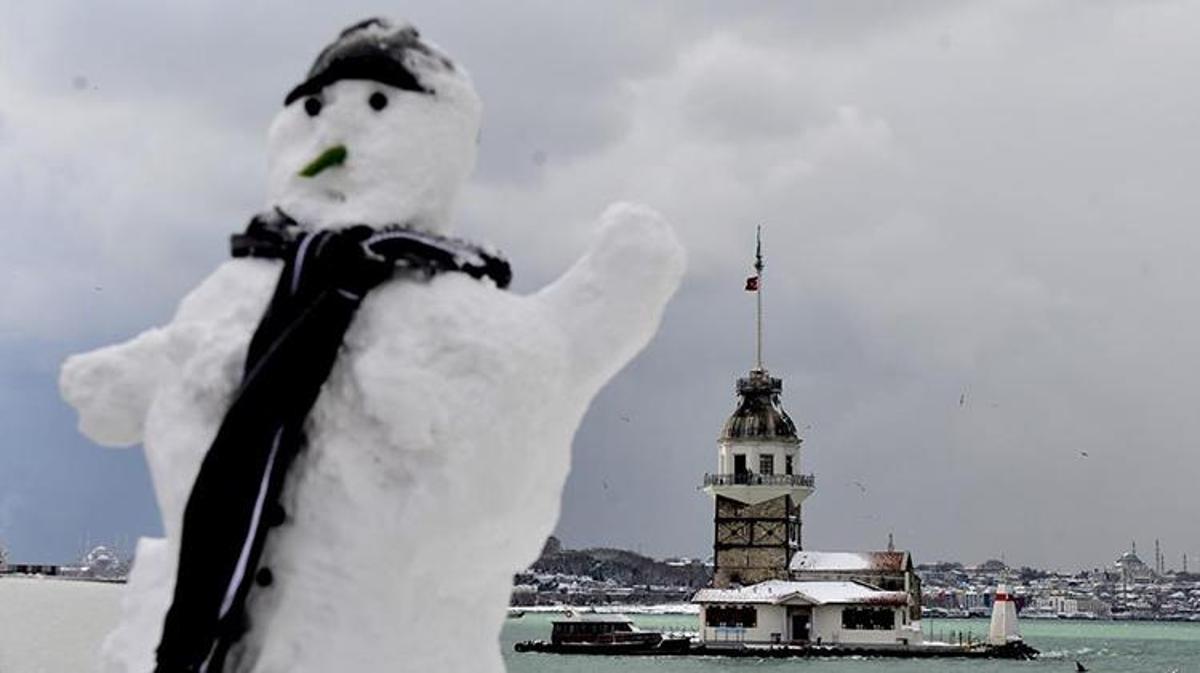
(383, 131)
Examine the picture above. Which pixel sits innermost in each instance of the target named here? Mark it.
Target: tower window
(766, 464)
(739, 463)
(787, 464)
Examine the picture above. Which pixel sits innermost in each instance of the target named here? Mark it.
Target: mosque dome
(1130, 559)
(759, 414)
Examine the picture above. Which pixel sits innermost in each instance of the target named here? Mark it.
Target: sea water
(55, 626)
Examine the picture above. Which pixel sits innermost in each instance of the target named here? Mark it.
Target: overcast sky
(980, 226)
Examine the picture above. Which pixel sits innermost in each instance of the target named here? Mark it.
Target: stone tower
(758, 487)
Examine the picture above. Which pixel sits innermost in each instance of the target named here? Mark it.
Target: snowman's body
(436, 451)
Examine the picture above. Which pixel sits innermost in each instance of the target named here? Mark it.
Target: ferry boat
(594, 633)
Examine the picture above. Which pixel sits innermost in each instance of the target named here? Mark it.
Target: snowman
(428, 465)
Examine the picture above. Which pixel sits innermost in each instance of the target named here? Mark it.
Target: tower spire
(758, 473)
(758, 269)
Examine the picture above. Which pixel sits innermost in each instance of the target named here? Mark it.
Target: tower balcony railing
(754, 479)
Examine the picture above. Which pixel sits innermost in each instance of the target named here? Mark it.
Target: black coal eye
(312, 106)
(378, 101)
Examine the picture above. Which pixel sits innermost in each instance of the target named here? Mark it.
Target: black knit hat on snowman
(375, 50)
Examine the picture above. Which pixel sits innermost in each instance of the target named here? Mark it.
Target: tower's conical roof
(759, 414)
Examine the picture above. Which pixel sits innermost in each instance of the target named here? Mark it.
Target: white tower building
(758, 486)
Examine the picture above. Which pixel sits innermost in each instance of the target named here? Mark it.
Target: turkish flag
(752, 284)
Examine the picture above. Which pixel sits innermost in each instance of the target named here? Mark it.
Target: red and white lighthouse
(1004, 627)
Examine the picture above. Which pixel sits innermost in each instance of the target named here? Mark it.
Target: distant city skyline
(978, 227)
(1167, 567)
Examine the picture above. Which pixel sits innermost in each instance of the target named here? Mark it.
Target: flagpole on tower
(754, 284)
(758, 269)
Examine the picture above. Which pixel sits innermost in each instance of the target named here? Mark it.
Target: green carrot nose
(334, 156)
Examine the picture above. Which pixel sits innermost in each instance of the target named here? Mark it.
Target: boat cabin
(601, 629)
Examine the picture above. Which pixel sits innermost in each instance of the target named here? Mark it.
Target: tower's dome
(760, 414)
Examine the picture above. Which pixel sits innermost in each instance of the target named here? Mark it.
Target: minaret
(757, 487)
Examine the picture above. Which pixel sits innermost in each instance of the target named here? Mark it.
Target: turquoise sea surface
(1117, 647)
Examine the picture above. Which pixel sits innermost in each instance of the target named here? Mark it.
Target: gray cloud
(961, 203)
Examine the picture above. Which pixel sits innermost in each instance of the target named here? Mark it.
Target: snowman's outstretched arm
(112, 387)
(611, 301)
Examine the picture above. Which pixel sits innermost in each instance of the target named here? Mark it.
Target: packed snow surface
(52, 625)
(833, 561)
(440, 443)
(816, 593)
